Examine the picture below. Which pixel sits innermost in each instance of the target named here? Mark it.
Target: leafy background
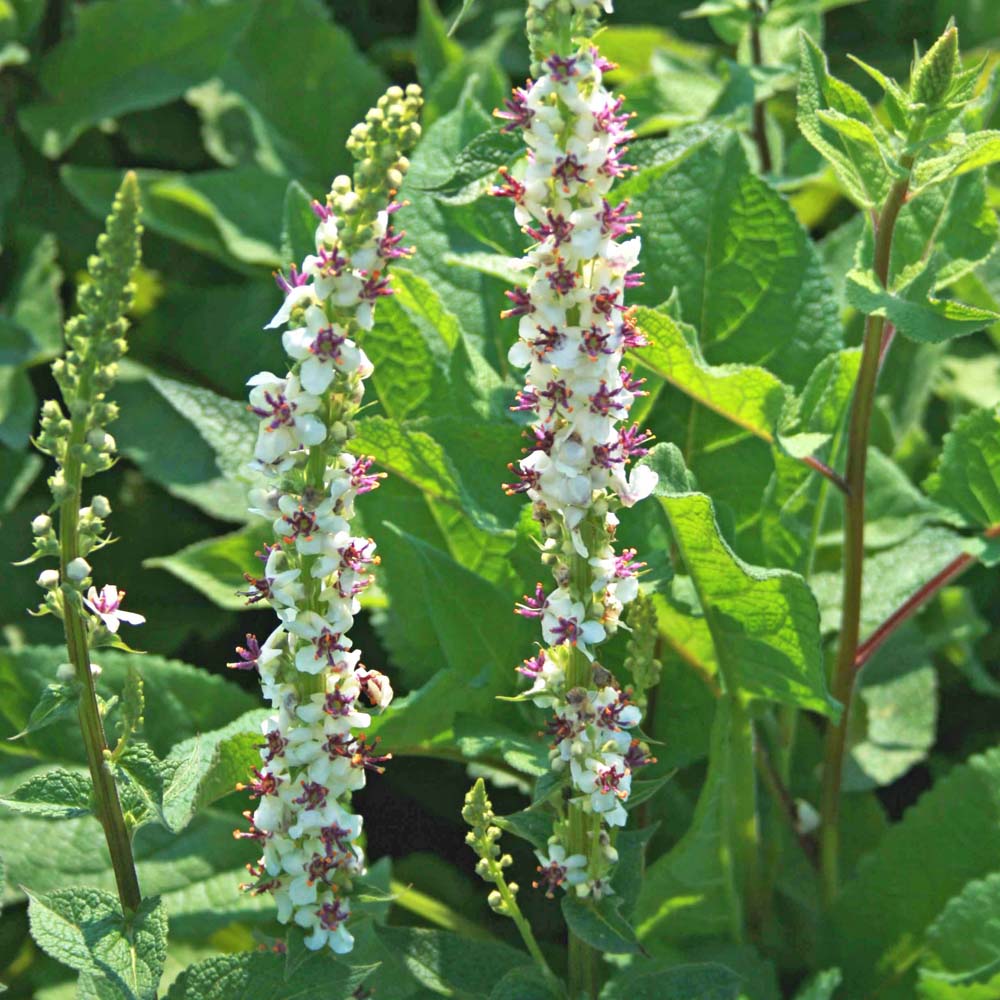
(234, 115)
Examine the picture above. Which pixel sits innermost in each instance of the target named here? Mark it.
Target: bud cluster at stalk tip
(315, 752)
(75, 433)
(580, 466)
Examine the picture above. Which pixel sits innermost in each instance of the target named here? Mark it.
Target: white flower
(107, 606)
(286, 413)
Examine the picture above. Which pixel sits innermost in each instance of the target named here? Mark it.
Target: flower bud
(100, 506)
(49, 579)
(41, 524)
(78, 570)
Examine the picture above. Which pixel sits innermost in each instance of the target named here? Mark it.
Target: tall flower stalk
(78, 440)
(574, 328)
(315, 752)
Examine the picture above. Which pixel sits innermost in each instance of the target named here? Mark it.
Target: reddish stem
(824, 470)
(914, 603)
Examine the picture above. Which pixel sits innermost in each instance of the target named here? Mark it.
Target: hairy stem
(107, 803)
(759, 120)
(842, 684)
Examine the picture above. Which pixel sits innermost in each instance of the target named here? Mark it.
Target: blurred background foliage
(235, 114)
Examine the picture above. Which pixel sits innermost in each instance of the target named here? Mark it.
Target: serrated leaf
(970, 152)
(860, 168)
(747, 275)
(764, 623)
(878, 929)
(751, 398)
(133, 704)
(249, 975)
(709, 981)
(215, 566)
(58, 701)
(85, 929)
(478, 163)
(967, 477)
(208, 766)
(963, 944)
(448, 964)
(912, 308)
(55, 794)
(140, 776)
(600, 924)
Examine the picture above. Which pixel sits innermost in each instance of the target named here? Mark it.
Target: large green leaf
(952, 835)
(85, 929)
(186, 700)
(963, 945)
(683, 982)
(967, 478)
(764, 623)
(285, 101)
(125, 57)
(231, 215)
(748, 277)
(55, 794)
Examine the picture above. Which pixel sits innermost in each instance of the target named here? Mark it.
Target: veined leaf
(764, 623)
(55, 794)
(970, 152)
(967, 478)
(85, 929)
(600, 924)
(708, 981)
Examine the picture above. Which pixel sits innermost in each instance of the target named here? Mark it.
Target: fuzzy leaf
(85, 929)
(122, 59)
(963, 944)
(967, 478)
(748, 277)
(822, 987)
(249, 975)
(58, 701)
(55, 794)
(900, 889)
(683, 982)
(912, 308)
(600, 924)
(859, 165)
(981, 149)
(764, 622)
(445, 963)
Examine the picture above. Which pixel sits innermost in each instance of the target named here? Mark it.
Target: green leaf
(967, 477)
(690, 891)
(477, 737)
(85, 929)
(188, 700)
(58, 701)
(630, 868)
(298, 229)
(894, 722)
(122, 59)
(860, 166)
(55, 794)
(709, 981)
(963, 944)
(821, 987)
(747, 275)
(878, 930)
(215, 566)
(140, 775)
(230, 215)
(445, 963)
(208, 766)
(970, 152)
(284, 98)
(600, 924)
(477, 164)
(525, 983)
(132, 704)
(911, 307)
(35, 304)
(18, 406)
(764, 622)
(297, 975)
(751, 398)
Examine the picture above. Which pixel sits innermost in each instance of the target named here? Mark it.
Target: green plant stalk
(842, 682)
(106, 801)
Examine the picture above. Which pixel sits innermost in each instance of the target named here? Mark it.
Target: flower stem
(842, 685)
(759, 118)
(107, 803)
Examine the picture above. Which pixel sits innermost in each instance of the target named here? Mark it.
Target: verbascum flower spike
(315, 752)
(574, 328)
(75, 435)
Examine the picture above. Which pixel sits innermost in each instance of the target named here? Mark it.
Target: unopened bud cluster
(75, 434)
(574, 328)
(484, 838)
(315, 753)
